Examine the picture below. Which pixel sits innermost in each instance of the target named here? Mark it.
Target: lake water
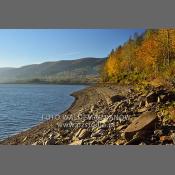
(23, 106)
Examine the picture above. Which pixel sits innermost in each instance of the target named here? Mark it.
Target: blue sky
(20, 47)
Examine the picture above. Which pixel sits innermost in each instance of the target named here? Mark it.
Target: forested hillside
(84, 70)
(149, 57)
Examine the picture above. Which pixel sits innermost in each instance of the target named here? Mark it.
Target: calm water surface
(22, 106)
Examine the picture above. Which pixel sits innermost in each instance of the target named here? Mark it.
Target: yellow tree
(166, 37)
(148, 54)
(112, 65)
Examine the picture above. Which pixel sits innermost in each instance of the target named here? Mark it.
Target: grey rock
(144, 123)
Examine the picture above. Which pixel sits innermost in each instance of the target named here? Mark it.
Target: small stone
(173, 137)
(104, 139)
(162, 97)
(158, 100)
(166, 139)
(25, 138)
(84, 133)
(120, 142)
(158, 132)
(116, 106)
(147, 104)
(57, 136)
(98, 133)
(122, 135)
(119, 128)
(79, 115)
(77, 133)
(104, 121)
(35, 143)
(76, 142)
(142, 103)
(51, 140)
(142, 143)
(93, 107)
(143, 110)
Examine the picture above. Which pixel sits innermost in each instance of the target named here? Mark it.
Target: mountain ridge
(69, 71)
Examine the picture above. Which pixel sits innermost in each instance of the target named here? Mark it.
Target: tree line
(147, 56)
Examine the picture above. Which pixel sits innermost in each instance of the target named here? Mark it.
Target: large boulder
(143, 124)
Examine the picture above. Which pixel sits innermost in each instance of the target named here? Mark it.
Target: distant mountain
(65, 71)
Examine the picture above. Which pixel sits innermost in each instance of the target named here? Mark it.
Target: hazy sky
(29, 46)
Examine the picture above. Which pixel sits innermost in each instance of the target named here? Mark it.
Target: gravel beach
(107, 115)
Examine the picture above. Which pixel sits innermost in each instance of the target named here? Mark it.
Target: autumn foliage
(142, 57)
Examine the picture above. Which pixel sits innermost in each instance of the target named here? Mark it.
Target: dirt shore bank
(117, 115)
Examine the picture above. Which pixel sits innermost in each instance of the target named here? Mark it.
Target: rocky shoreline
(109, 115)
